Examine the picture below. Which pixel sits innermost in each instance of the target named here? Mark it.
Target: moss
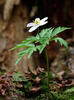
(63, 95)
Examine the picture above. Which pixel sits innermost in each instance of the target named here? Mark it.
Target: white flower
(34, 25)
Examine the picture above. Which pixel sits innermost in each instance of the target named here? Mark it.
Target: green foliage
(19, 77)
(64, 95)
(41, 97)
(62, 42)
(28, 86)
(58, 30)
(69, 90)
(58, 95)
(44, 88)
(20, 80)
(39, 42)
(49, 76)
(18, 92)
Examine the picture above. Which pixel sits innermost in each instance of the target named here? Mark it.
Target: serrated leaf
(30, 40)
(19, 58)
(62, 41)
(58, 30)
(40, 41)
(30, 51)
(22, 52)
(22, 45)
(41, 48)
(45, 33)
(19, 77)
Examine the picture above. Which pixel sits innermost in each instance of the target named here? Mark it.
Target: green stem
(47, 64)
(38, 33)
(38, 30)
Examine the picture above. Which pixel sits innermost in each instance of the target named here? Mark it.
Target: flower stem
(38, 30)
(48, 72)
(38, 33)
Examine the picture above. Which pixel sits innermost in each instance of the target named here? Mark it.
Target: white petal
(43, 23)
(43, 20)
(33, 28)
(30, 24)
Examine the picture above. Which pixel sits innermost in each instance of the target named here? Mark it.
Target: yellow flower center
(37, 21)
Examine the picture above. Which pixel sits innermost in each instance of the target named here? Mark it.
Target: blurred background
(14, 16)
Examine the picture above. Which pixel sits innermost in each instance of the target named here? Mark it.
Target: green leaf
(45, 33)
(40, 41)
(28, 51)
(28, 85)
(44, 87)
(41, 48)
(22, 45)
(49, 76)
(19, 58)
(19, 77)
(58, 30)
(22, 52)
(69, 90)
(30, 40)
(62, 41)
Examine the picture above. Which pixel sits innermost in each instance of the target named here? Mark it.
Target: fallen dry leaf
(35, 89)
(37, 80)
(39, 69)
(5, 84)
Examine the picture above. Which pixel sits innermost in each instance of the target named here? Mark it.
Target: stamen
(37, 21)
